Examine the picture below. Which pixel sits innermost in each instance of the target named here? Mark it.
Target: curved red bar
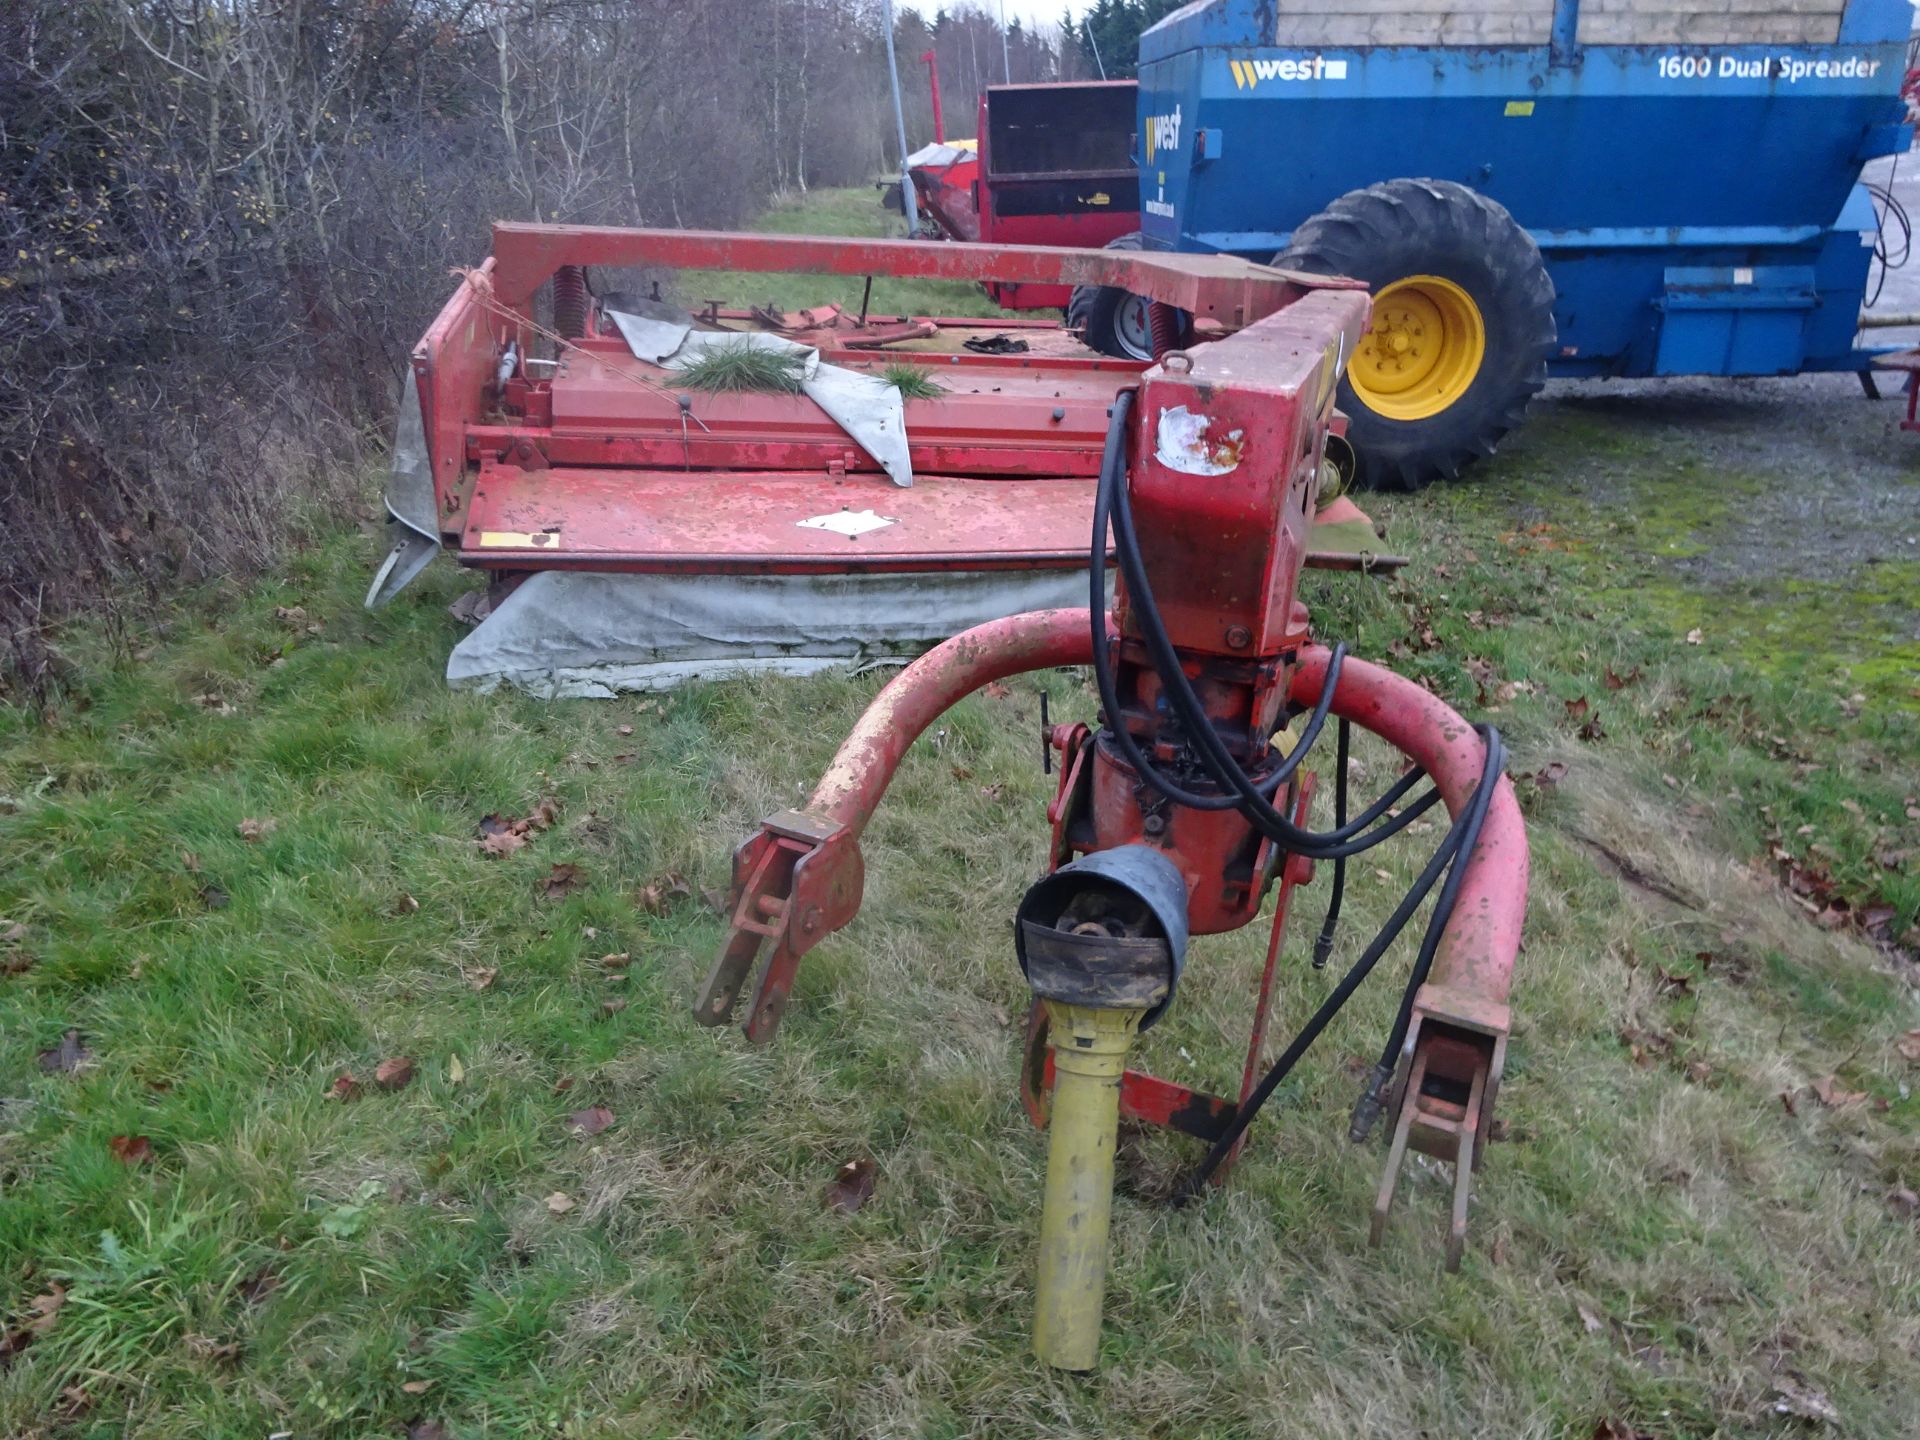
(854, 783)
(1474, 964)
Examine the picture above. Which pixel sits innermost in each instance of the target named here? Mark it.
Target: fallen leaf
(426, 1430)
(66, 1057)
(1589, 1321)
(481, 980)
(1808, 1404)
(619, 960)
(590, 1121)
(563, 1084)
(456, 1072)
(1577, 709)
(76, 1400)
(1909, 1047)
(259, 1285)
(215, 703)
(1694, 637)
(1832, 1094)
(416, 1387)
(853, 1186)
(406, 905)
(345, 1087)
(1788, 1103)
(996, 690)
(1550, 774)
(12, 932)
(503, 842)
(214, 898)
(131, 1149)
(562, 881)
(613, 1006)
(255, 830)
(394, 1074)
(1903, 1202)
(1699, 1072)
(994, 791)
(1620, 682)
(294, 615)
(656, 895)
(623, 730)
(559, 1203)
(1674, 986)
(1592, 730)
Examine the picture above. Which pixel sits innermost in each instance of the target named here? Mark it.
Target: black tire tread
(1385, 229)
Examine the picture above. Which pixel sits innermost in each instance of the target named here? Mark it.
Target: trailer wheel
(1462, 324)
(1111, 320)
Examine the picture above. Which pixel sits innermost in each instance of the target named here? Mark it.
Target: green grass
(914, 382)
(1660, 1241)
(742, 367)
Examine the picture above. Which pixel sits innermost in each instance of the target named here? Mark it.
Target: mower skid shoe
(1443, 1107)
(795, 882)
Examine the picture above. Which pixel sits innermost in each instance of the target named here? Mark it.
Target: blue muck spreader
(1531, 188)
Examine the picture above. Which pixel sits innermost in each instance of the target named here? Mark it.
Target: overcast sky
(1027, 12)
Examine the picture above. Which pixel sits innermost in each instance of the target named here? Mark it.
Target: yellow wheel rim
(1424, 350)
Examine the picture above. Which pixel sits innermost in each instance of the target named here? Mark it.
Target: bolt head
(1239, 637)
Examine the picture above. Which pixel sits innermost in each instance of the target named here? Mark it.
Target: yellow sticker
(514, 540)
(1519, 107)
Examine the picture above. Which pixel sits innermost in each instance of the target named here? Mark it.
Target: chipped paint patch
(850, 523)
(1181, 442)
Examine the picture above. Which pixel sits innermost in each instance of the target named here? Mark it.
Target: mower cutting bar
(665, 521)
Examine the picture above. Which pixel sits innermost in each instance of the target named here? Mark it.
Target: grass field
(241, 861)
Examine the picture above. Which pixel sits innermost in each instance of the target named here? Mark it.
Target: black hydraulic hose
(1329, 845)
(1372, 1102)
(1461, 836)
(1323, 943)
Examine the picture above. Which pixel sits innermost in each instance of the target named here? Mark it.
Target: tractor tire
(1462, 324)
(1109, 319)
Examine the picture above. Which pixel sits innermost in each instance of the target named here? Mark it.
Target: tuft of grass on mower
(914, 382)
(741, 368)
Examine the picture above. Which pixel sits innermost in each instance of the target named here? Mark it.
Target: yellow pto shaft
(1089, 1053)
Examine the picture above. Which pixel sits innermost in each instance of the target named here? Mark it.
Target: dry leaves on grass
(345, 1086)
(853, 1186)
(1909, 1047)
(562, 881)
(254, 829)
(559, 1203)
(658, 895)
(590, 1121)
(503, 834)
(481, 980)
(1791, 1398)
(1835, 1096)
(1616, 681)
(42, 1313)
(1550, 774)
(131, 1149)
(394, 1074)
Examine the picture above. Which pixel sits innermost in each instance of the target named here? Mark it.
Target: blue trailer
(1533, 187)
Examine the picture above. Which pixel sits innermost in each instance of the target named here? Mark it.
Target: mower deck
(769, 523)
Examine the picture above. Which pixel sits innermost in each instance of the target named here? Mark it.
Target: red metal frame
(1226, 450)
(594, 463)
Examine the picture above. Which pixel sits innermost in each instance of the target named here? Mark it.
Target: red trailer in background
(1052, 165)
